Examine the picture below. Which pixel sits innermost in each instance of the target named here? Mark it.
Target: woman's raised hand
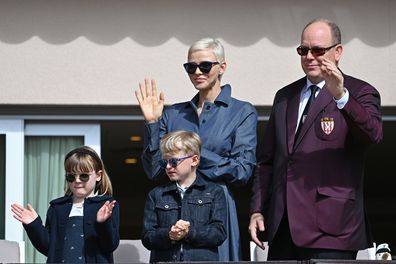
(150, 105)
(24, 215)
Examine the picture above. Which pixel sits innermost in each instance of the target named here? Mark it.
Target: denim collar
(198, 183)
(223, 98)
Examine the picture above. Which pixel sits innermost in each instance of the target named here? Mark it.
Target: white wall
(96, 52)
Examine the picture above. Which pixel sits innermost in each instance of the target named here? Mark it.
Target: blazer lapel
(323, 99)
(292, 113)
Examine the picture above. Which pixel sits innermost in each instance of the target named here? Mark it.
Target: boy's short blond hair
(177, 141)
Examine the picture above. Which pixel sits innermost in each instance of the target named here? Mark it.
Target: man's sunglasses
(172, 162)
(204, 66)
(84, 177)
(315, 51)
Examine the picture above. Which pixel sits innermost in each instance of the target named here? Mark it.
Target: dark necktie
(311, 99)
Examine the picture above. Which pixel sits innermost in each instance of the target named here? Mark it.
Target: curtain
(44, 177)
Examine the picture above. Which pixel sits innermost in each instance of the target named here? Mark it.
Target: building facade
(69, 69)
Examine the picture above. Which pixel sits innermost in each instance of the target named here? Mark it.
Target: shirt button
(166, 206)
(199, 201)
(208, 107)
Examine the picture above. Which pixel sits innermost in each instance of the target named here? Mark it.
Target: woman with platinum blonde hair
(227, 128)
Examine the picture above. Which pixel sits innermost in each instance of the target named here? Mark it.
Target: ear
(338, 53)
(223, 67)
(99, 175)
(195, 160)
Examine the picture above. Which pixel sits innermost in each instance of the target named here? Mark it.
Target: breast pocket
(167, 213)
(330, 126)
(200, 208)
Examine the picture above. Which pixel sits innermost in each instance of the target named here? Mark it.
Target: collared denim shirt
(203, 205)
(227, 128)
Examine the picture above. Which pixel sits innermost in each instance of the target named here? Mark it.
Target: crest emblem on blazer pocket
(327, 125)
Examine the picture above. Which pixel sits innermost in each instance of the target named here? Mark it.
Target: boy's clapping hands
(179, 230)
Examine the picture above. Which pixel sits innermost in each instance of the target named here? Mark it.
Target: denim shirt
(227, 129)
(203, 205)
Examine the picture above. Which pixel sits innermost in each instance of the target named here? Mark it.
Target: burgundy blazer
(318, 178)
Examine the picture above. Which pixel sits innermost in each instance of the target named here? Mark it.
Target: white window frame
(14, 178)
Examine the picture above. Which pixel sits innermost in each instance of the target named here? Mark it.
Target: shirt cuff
(152, 135)
(343, 100)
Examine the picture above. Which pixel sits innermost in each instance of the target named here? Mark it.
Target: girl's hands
(105, 211)
(150, 105)
(24, 215)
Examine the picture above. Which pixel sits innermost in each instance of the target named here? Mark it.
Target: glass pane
(2, 186)
(122, 141)
(44, 180)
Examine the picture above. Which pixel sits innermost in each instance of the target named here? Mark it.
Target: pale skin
(105, 211)
(28, 215)
(208, 85)
(317, 69)
(179, 230)
(149, 102)
(256, 224)
(334, 79)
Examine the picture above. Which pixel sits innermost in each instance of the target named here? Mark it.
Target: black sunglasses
(172, 162)
(84, 177)
(204, 66)
(315, 51)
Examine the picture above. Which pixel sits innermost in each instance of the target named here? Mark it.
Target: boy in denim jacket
(185, 219)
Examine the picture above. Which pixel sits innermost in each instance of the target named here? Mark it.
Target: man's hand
(333, 78)
(256, 225)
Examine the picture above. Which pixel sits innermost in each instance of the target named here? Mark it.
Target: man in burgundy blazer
(308, 188)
